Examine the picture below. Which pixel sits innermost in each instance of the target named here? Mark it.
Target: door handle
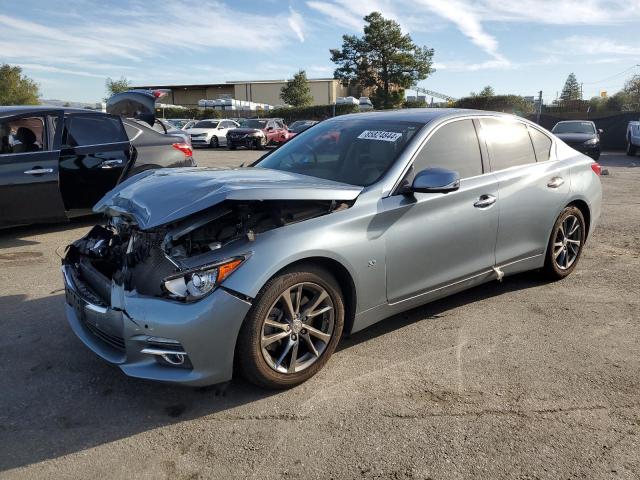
(39, 171)
(485, 201)
(555, 182)
(110, 163)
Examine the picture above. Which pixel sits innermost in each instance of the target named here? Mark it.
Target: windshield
(574, 127)
(353, 151)
(206, 124)
(299, 126)
(259, 124)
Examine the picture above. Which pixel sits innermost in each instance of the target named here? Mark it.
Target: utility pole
(539, 107)
(580, 91)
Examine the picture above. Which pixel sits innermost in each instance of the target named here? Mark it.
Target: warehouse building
(325, 91)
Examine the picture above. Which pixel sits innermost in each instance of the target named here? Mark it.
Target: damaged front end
(151, 299)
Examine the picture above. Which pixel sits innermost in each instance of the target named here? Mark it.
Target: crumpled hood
(157, 197)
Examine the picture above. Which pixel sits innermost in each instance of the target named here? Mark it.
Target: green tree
(487, 91)
(571, 89)
(296, 92)
(384, 59)
(17, 89)
(618, 102)
(632, 89)
(117, 86)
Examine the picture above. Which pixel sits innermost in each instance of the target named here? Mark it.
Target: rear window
(508, 143)
(206, 124)
(83, 130)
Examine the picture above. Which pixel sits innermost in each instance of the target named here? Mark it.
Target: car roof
(423, 115)
(574, 121)
(20, 109)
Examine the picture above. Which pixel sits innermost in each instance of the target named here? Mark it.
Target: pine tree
(571, 89)
(296, 92)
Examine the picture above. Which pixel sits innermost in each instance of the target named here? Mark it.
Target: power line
(613, 76)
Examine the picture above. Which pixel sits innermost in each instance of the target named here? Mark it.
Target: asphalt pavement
(521, 379)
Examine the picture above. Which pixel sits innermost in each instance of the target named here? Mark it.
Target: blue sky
(69, 47)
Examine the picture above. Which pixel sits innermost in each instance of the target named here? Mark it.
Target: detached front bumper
(206, 331)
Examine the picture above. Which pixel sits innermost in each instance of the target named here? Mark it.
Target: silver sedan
(354, 220)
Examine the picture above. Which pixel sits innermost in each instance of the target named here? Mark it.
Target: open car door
(29, 167)
(138, 104)
(95, 155)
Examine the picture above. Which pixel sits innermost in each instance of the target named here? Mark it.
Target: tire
(231, 146)
(563, 251)
(271, 366)
(631, 148)
(262, 143)
(213, 143)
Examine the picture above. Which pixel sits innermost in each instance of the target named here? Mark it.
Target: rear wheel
(214, 142)
(631, 148)
(565, 244)
(292, 329)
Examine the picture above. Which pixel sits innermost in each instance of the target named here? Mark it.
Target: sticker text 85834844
(380, 135)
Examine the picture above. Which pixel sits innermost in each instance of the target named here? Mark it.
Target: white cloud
(91, 47)
(296, 23)
(587, 45)
(338, 14)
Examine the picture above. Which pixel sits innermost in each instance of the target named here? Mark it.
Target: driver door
(29, 187)
(437, 243)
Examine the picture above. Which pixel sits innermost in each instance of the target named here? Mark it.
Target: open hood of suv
(158, 197)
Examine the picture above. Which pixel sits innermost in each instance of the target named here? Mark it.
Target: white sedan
(211, 133)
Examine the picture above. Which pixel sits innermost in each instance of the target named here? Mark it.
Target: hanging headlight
(197, 283)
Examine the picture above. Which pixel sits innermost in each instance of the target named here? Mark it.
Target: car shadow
(619, 160)
(16, 236)
(59, 398)
(436, 309)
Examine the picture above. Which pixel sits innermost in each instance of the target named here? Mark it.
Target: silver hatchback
(353, 220)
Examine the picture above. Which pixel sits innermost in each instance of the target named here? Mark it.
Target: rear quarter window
(508, 143)
(541, 144)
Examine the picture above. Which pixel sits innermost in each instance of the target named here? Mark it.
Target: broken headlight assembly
(194, 284)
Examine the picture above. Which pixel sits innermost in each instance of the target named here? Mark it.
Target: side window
(453, 146)
(508, 142)
(541, 144)
(93, 130)
(23, 135)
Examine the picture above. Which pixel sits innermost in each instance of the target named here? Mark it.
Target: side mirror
(269, 129)
(436, 180)
(600, 131)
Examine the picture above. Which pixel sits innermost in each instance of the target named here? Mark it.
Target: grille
(112, 340)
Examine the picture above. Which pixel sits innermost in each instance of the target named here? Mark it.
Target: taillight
(184, 148)
(597, 169)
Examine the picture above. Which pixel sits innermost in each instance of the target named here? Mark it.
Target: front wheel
(631, 148)
(292, 328)
(565, 244)
(214, 142)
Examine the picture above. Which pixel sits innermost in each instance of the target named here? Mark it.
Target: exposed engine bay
(143, 260)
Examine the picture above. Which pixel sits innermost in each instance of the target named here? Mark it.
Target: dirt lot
(522, 379)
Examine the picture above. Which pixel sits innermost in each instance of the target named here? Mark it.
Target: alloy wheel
(567, 242)
(298, 328)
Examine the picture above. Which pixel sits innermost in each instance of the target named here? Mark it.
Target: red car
(258, 133)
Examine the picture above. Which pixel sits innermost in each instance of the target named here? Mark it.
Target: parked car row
(238, 132)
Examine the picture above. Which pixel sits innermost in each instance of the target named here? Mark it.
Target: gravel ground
(522, 379)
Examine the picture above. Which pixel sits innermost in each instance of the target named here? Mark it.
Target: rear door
(95, 152)
(29, 189)
(533, 189)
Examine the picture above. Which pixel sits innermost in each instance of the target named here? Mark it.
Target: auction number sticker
(380, 135)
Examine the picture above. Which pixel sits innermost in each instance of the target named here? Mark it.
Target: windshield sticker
(380, 135)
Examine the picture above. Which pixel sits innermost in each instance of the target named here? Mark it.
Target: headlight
(593, 141)
(259, 133)
(197, 283)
